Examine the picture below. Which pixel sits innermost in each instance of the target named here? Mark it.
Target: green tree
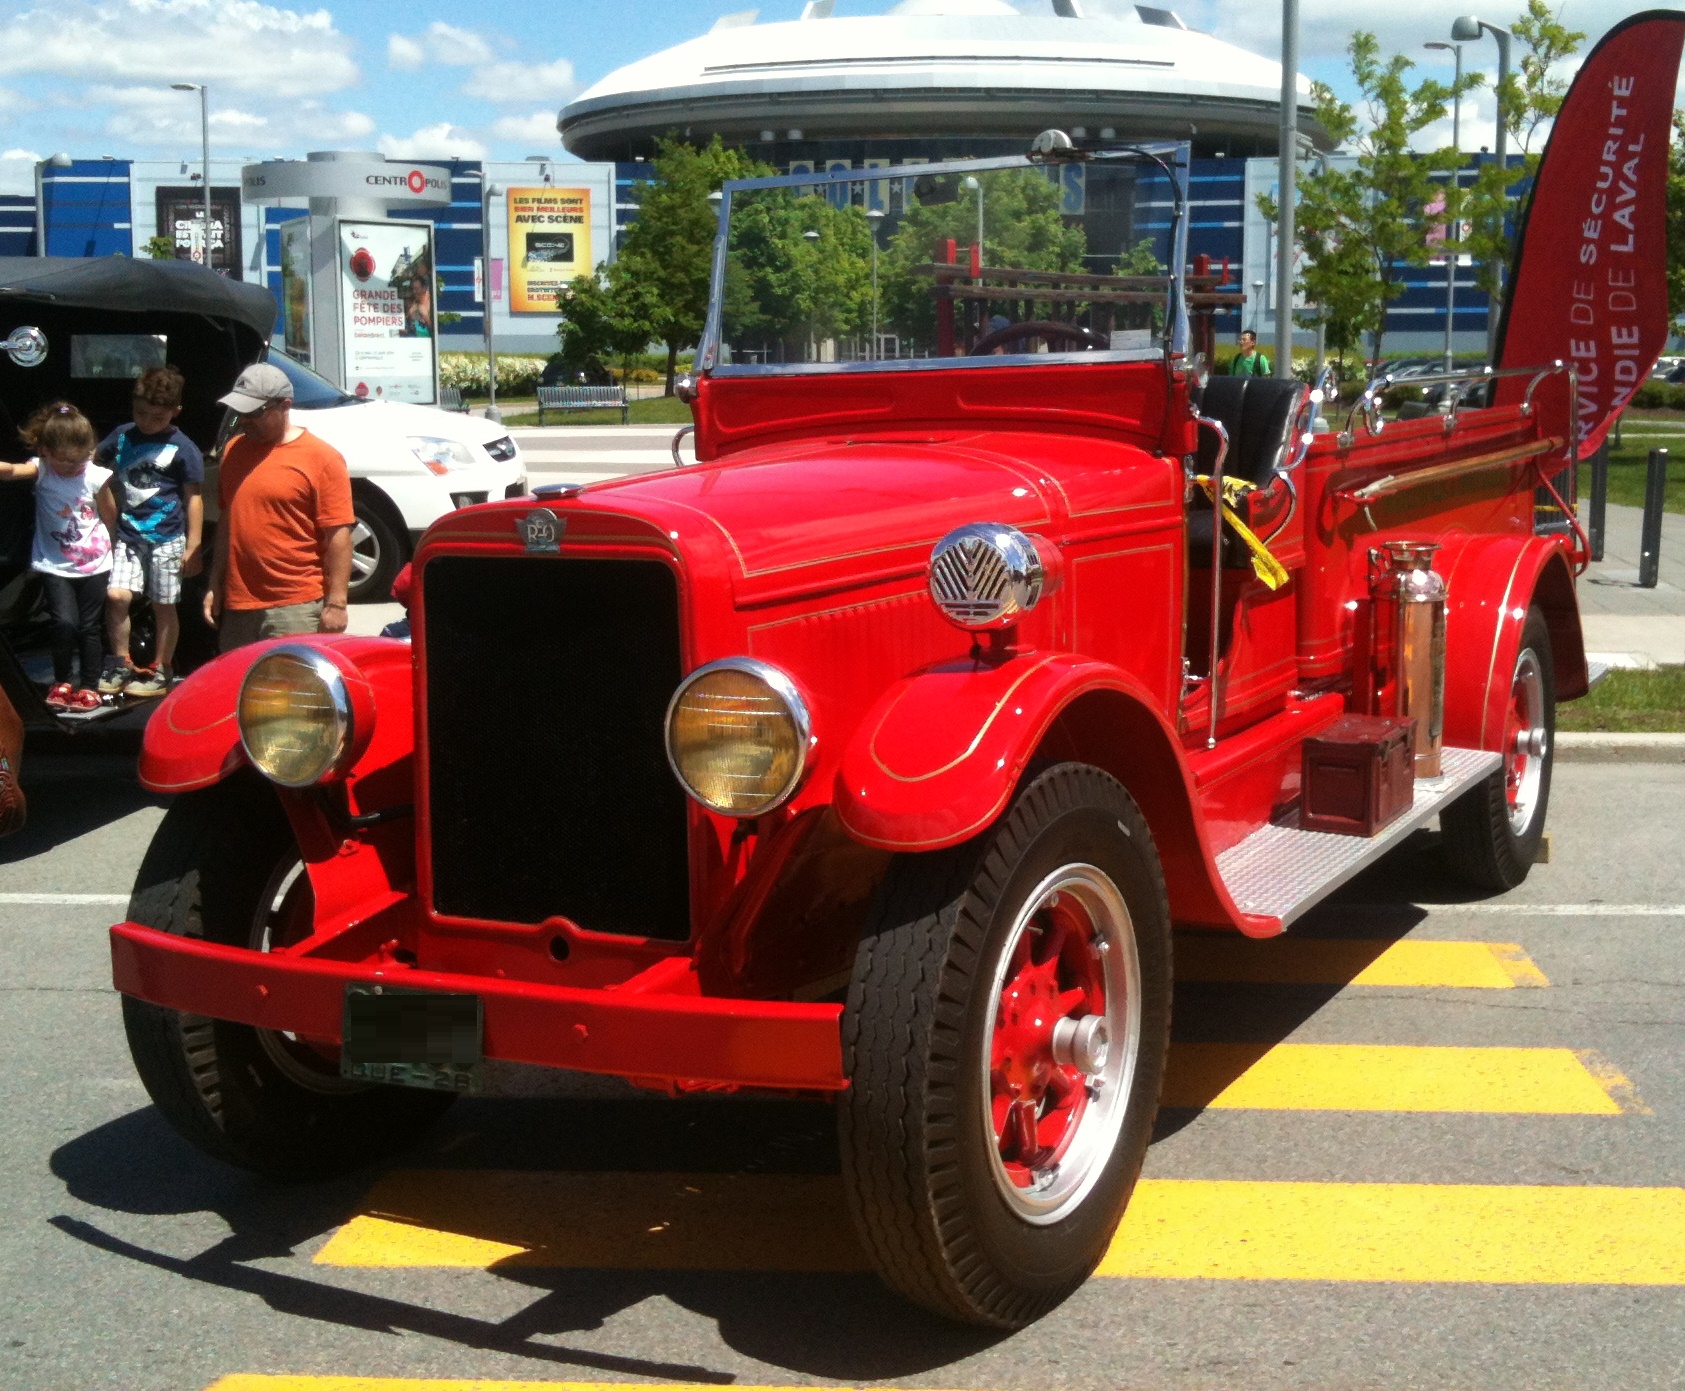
(1676, 219)
(668, 251)
(1530, 97)
(1022, 229)
(1360, 227)
(800, 269)
(160, 248)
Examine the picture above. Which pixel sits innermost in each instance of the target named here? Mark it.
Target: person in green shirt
(1249, 362)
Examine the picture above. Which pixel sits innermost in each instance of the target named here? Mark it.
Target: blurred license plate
(412, 1038)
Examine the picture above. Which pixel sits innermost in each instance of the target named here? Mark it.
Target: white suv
(409, 466)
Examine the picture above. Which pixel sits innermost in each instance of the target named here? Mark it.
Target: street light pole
(488, 191)
(1288, 157)
(204, 92)
(1453, 196)
(1467, 29)
(972, 182)
(874, 216)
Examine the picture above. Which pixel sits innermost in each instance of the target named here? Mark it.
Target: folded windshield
(933, 262)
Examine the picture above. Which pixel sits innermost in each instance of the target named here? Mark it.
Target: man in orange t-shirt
(283, 548)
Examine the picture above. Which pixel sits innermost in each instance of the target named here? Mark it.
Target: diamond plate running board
(1282, 872)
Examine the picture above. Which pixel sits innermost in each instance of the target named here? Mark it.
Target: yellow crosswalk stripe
(1180, 1229)
(600, 1221)
(1232, 959)
(246, 1381)
(1384, 1077)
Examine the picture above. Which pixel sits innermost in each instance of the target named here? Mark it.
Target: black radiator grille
(549, 791)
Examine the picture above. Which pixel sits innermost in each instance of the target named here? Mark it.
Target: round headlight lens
(295, 716)
(737, 736)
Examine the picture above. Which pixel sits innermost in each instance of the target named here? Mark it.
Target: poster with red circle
(388, 323)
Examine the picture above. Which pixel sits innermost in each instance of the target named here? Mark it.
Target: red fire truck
(873, 756)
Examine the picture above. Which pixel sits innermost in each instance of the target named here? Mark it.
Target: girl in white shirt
(74, 516)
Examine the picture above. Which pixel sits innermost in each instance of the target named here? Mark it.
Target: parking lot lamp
(1468, 29)
(874, 217)
(204, 151)
(488, 191)
(1453, 227)
(975, 185)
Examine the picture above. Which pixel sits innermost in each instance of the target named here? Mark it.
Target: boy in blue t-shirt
(158, 473)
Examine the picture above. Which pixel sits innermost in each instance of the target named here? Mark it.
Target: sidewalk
(1625, 625)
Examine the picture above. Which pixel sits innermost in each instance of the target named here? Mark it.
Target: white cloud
(17, 171)
(441, 141)
(404, 53)
(438, 43)
(156, 116)
(521, 82)
(536, 129)
(238, 44)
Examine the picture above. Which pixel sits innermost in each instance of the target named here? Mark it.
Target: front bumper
(643, 1034)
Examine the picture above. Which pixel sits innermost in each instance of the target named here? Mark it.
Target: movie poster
(181, 218)
(295, 289)
(387, 320)
(549, 244)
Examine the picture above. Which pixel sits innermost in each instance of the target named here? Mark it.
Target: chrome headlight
(295, 716)
(985, 575)
(738, 736)
(439, 455)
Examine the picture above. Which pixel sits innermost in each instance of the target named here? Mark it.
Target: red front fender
(1491, 581)
(192, 740)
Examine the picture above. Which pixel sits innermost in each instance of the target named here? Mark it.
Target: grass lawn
(654, 410)
(1627, 468)
(1636, 702)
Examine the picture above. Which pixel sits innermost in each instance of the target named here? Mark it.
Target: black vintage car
(82, 330)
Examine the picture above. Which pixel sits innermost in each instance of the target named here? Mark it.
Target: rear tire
(1490, 836)
(987, 1162)
(224, 867)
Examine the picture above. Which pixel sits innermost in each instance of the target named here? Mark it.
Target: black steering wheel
(1085, 339)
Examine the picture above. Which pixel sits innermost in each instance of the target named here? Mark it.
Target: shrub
(517, 375)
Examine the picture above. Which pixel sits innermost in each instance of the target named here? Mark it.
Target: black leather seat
(1258, 413)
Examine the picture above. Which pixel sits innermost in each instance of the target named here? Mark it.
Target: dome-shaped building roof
(942, 71)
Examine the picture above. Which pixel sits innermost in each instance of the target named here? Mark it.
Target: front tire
(224, 867)
(377, 552)
(1491, 835)
(1004, 1040)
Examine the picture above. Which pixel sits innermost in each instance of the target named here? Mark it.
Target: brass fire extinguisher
(1416, 592)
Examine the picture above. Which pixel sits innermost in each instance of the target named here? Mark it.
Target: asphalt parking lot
(1424, 1143)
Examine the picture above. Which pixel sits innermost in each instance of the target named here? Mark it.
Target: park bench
(450, 399)
(582, 398)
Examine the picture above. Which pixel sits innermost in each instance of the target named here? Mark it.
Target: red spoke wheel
(1004, 1038)
(1491, 835)
(224, 867)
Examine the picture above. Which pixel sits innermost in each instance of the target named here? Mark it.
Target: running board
(1282, 872)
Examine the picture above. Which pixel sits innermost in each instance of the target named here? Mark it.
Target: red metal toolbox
(1357, 775)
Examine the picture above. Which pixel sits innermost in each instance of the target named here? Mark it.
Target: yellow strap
(1264, 565)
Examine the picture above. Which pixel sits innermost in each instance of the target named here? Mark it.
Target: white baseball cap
(258, 386)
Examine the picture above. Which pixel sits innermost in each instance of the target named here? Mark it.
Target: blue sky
(433, 79)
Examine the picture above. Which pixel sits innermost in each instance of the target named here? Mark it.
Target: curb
(1620, 748)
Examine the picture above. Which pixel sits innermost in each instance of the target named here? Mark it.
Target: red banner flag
(1590, 283)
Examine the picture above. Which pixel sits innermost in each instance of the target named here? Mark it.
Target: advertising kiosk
(358, 285)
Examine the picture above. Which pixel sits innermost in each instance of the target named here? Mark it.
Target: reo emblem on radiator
(541, 530)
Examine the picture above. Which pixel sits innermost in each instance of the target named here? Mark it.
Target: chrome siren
(985, 575)
(26, 346)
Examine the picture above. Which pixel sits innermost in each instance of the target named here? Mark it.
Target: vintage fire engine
(873, 755)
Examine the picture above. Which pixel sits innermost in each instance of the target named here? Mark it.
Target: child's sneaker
(83, 700)
(59, 697)
(115, 677)
(148, 681)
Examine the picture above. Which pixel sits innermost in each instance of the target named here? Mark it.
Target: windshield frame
(1172, 157)
(345, 398)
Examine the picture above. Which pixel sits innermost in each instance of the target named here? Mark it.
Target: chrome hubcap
(1061, 1042)
(1528, 744)
(365, 551)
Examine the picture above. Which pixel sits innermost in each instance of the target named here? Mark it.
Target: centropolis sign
(415, 185)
